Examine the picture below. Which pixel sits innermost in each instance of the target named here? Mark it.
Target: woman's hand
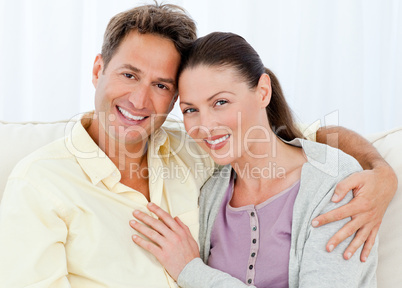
(373, 191)
(171, 241)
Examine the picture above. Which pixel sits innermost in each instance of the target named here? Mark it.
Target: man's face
(137, 89)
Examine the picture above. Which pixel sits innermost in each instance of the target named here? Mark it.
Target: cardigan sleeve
(196, 274)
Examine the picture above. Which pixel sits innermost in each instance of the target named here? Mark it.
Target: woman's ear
(264, 89)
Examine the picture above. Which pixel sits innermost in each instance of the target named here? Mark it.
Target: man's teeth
(217, 141)
(130, 116)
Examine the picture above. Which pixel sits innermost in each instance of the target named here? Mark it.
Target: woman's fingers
(147, 245)
(183, 226)
(170, 239)
(155, 224)
(163, 216)
(150, 233)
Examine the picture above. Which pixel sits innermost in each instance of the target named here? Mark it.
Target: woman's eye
(188, 110)
(128, 75)
(221, 102)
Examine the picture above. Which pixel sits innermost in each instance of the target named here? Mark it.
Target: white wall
(339, 58)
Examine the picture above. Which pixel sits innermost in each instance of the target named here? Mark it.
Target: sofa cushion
(389, 272)
(20, 139)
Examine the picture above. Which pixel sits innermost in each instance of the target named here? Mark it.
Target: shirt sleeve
(319, 268)
(309, 130)
(196, 274)
(32, 238)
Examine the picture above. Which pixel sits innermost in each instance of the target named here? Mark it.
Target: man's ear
(97, 69)
(265, 90)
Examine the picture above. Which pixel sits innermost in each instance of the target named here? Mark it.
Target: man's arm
(373, 190)
(32, 236)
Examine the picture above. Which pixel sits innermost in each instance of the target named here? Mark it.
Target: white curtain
(338, 61)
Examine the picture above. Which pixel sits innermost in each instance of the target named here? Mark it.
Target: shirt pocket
(191, 219)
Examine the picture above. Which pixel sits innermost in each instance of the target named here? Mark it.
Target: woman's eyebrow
(210, 98)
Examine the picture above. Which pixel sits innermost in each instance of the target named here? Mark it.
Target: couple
(66, 208)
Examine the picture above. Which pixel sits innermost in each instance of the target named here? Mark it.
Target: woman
(255, 212)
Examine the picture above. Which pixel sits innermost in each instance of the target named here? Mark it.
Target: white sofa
(19, 139)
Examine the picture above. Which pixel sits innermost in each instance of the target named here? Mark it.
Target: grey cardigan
(310, 265)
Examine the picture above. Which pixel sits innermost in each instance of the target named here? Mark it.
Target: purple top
(238, 232)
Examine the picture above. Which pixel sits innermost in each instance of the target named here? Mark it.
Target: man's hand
(373, 191)
(171, 241)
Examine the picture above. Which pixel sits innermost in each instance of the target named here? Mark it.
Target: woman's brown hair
(220, 49)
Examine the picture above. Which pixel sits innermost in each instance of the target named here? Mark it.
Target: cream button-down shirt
(65, 216)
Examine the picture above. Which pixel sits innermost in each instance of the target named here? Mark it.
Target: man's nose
(140, 96)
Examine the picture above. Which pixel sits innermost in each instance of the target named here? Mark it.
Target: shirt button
(249, 281)
(253, 254)
(254, 241)
(252, 214)
(250, 267)
(255, 228)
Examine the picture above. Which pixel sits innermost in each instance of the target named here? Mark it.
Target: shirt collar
(94, 162)
(159, 145)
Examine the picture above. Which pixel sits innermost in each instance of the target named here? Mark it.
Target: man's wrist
(386, 173)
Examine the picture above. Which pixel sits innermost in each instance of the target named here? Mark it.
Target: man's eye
(128, 75)
(221, 102)
(161, 86)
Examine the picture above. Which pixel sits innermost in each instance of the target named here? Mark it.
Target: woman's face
(222, 113)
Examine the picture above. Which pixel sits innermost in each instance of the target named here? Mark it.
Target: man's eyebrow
(167, 80)
(131, 67)
(139, 71)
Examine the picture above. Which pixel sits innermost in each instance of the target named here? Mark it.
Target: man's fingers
(368, 245)
(340, 213)
(345, 232)
(350, 183)
(360, 238)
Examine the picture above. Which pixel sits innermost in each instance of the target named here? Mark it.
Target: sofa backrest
(389, 271)
(20, 139)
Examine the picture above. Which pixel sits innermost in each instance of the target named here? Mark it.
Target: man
(65, 212)
(66, 208)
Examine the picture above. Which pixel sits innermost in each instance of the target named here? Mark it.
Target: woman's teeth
(217, 141)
